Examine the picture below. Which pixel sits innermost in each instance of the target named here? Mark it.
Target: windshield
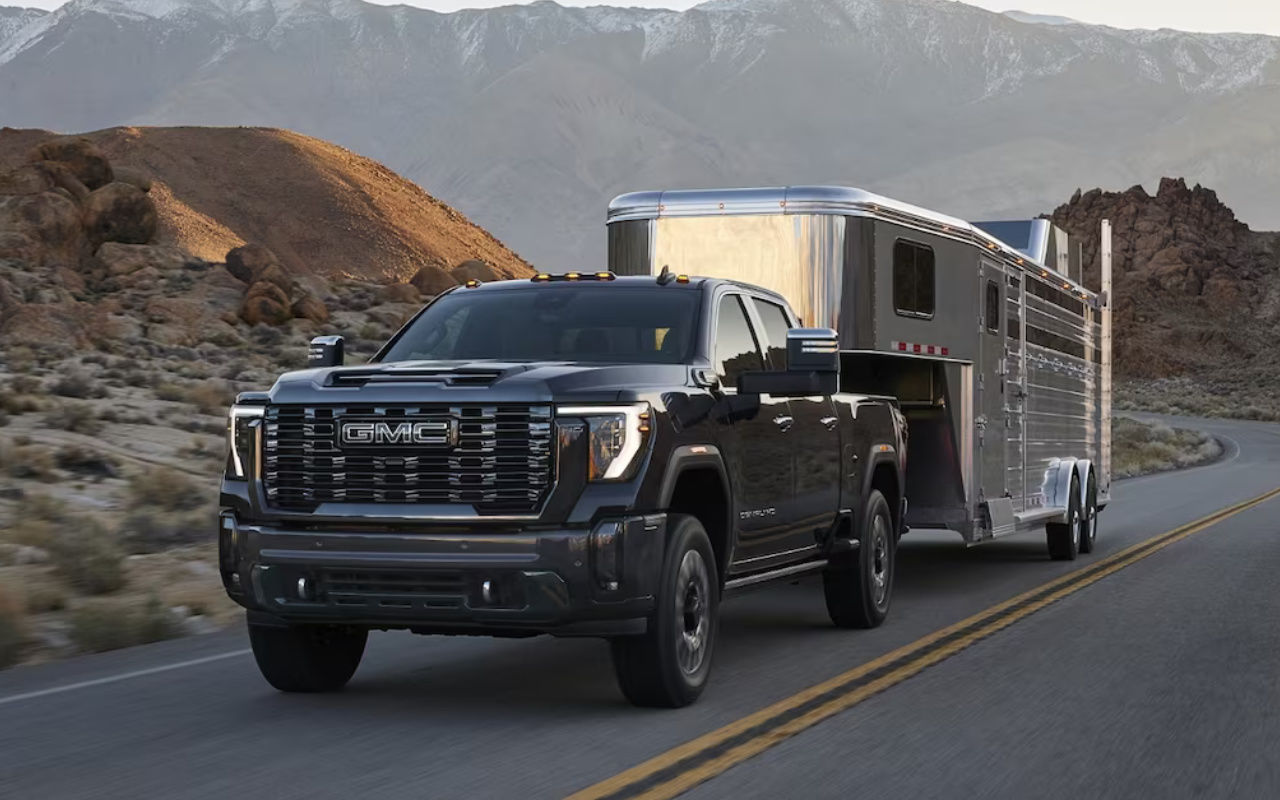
(555, 323)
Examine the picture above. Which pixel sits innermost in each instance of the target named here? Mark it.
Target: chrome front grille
(496, 458)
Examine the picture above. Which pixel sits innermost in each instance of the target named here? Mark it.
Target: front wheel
(307, 658)
(859, 589)
(668, 665)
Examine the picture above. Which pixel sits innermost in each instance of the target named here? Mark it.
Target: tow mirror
(813, 367)
(326, 351)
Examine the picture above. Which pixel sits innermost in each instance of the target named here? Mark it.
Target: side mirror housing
(326, 351)
(813, 367)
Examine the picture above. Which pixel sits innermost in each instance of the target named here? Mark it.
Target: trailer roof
(843, 200)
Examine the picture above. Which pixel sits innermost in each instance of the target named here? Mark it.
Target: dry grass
(101, 625)
(1141, 448)
(160, 488)
(12, 628)
(73, 416)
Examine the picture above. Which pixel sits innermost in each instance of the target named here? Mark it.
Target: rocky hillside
(146, 276)
(1197, 294)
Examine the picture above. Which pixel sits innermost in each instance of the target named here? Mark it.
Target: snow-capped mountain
(529, 118)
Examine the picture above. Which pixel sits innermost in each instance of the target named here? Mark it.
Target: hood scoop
(439, 375)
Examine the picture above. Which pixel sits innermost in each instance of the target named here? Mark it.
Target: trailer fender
(1084, 468)
(1057, 487)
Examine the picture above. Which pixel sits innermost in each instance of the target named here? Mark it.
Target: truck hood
(477, 382)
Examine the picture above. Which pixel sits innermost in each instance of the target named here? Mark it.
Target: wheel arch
(697, 483)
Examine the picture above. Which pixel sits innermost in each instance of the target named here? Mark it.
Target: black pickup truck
(578, 455)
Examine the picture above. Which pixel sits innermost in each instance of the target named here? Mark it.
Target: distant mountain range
(529, 118)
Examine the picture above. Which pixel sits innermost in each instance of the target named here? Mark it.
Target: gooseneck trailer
(998, 354)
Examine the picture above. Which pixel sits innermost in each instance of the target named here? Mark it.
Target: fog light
(606, 555)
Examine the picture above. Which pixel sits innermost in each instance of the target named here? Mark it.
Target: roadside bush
(77, 384)
(146, 530)
(98, 626)
(42, 594)
(210, 397)
(1141, 448)
(88, 556)
(165, 489)
(84, 461)
(74, 417)
(12, 629)
(29, 461)
(170, 391)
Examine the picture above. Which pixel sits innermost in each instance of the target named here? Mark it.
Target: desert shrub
(42, 594)
(74, 417)
(29, 461)
(18, 403)
(25, 384)
(147, 530)
(12, 628)
(165, 489)
(266, 335)
(98, 626)
(76, 384)
(85, 461)
(1141, 448)
(170, 391)
(137, 377)
(4, 418)
(88, 556)
(41, 508)
(210, 397)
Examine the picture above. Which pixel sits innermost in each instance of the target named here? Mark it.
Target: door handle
(783, 421)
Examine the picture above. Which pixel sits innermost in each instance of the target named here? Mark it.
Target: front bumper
(596, 581)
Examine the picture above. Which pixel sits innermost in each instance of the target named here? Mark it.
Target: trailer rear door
(991, 419)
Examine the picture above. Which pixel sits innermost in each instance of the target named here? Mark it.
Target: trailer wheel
(307, 658)
(859, 589)
(667, 666)
(1089, 517)
(1064, 538)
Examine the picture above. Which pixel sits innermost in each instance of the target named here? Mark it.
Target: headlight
(618, 435)
(242, 425)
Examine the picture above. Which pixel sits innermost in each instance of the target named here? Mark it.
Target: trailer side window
(736, 348)
(993, 307)
(912, 279)
(776, 326)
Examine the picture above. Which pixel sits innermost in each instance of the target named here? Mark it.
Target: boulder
(266, 303)
(43, 229)
(400, 293)
(248, 261)
(308, 306)
(27, 179)
(122, 259)
(119, 212)
(134, 177)
(80, 155)
(274, 273)
(474, 269)
(60, 177)
(432, 280)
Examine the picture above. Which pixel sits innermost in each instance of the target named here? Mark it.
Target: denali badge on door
(379, 433)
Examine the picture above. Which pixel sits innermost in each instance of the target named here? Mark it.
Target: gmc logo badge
(374, 434)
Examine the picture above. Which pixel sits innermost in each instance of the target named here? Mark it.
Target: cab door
(756, 434)
(815, 435)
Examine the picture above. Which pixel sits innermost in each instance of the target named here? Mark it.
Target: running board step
(774, 574)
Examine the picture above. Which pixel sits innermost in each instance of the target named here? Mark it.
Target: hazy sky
(1257, 16)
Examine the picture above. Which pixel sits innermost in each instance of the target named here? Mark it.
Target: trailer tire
(307, 658)
(668, 665)
(1089, 517)
(858, 590)
(1064, 537)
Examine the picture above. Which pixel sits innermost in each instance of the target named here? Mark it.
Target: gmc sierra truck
(576, 455)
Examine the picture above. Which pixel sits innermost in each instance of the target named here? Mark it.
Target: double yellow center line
(680, 769)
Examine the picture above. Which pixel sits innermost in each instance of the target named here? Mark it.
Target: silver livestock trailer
(999, 355)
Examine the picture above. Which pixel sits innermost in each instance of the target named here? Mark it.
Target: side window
(736, 349)
(913, 291)
(992, 319)
(776, 326)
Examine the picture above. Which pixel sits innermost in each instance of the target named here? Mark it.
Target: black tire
(859, 589)
(1089, 517)
(307, 658)
(668, 665)
(1064, 538)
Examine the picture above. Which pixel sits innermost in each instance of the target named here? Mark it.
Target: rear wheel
(1089, 517)
(859, 588)
(1064, 537)
(668, 665)
(307, 658)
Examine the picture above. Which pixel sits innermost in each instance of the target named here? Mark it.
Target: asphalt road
(1162, 679)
